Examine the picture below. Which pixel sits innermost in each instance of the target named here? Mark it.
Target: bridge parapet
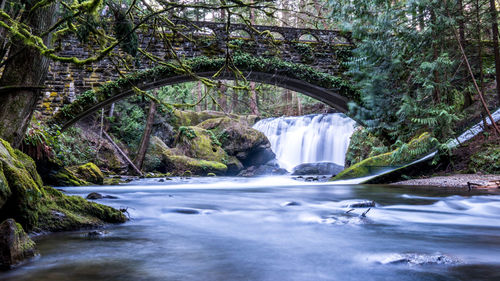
(65, 82)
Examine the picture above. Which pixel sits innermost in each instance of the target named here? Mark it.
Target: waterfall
(308, 139)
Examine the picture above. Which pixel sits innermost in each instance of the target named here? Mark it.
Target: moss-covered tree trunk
(25, 71)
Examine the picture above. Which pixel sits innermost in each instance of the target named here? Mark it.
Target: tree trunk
(144, 145)
(479, 46)
(200, 96)
(27, 68)
(461, 22)
(234, 101)
(222, 99)
(253, 100)
(494, 31)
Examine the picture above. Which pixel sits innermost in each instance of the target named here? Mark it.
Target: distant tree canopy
(408, 63)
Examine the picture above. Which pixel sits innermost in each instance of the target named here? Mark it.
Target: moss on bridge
(243, 61)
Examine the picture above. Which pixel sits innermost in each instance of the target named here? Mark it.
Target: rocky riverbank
(457, 181)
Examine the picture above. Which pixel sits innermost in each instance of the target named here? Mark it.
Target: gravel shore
(459, 180)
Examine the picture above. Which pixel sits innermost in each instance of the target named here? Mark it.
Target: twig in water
(349, 211)
(363, 215)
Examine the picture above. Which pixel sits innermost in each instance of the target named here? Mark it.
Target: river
(277, 228)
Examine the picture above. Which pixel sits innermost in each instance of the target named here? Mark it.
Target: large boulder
(320, 168)
(22, 186)
(161, 158)
(34, 206)
(89, 172)
(196, 142)
(238, 139)
(193, 118)
(15, 244)
(263, 170)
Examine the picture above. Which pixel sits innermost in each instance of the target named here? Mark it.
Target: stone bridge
(304, 60)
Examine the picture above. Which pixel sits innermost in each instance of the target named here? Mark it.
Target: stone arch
(276, 35)
(332, 90)
(204, 31)
(308, 37)
(240, 33)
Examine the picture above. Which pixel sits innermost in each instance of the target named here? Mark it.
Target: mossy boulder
(193, 118)
(89, 172)
(22, 186)
(239, 139)
(196, 142)
(60, 212)
(66, 177)
(34, 206)
(235, 136)
(161, 158)
(15, 244)
(405, 154)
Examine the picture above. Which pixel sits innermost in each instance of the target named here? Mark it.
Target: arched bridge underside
(330, 89)
(323, 50)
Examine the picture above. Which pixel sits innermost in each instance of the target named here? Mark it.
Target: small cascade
(308, 139)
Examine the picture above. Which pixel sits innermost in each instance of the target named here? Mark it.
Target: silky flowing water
(278, 229)
(308, 139)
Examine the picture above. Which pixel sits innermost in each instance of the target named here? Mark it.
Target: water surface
(278, 229)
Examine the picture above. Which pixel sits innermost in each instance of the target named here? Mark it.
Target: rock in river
(15, 244)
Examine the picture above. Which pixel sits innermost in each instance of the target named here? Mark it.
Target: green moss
(66, 177)
(172, 161)
(363, 145)
(406, 153)
(234, 135)
(196, 166)
(61, 212)
(37, 207)
(4, 188)
(24, 183)
(89, 172)
(201, 146)
(487, 160)
(113, 181)
(26, 244)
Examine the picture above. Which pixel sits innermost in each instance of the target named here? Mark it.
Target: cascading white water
(308, 139)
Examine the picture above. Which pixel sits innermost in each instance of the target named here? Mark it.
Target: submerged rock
(320, 168)
(185, 211)
(94, 196)
(263, 170)
(15, 244)
(97, 233)
(358, 204)
(418, 259)
(291, 203)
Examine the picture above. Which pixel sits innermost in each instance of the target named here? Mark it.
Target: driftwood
(122, 153)
(490, 184)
